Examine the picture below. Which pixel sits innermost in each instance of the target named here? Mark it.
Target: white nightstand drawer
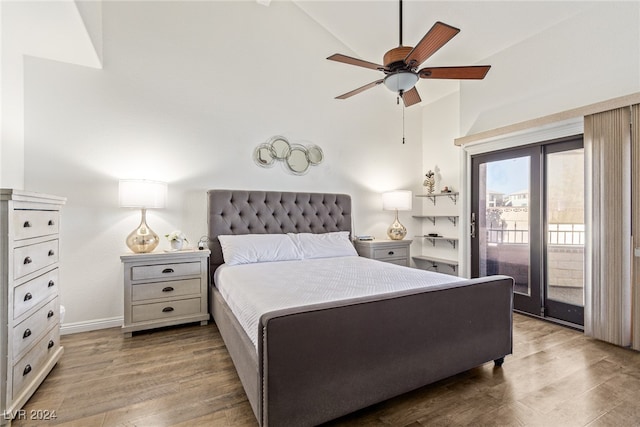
(33, 292)
(29, 331)
(174, 288)
(27, 259)
(388, 253)
(32, 363)
(163, 310)
(161, 271)
(33, 223)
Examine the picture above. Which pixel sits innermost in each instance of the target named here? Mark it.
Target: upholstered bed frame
(320, 362)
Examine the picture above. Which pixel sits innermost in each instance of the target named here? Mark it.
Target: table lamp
(399, 200)
(142, 194)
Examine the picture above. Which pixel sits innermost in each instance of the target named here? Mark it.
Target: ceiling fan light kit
(401, 65)
(400, 81)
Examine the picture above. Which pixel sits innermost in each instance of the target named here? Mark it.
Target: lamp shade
(397, 200)
(142, 193)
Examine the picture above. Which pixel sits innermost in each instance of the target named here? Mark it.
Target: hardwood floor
(184, 377)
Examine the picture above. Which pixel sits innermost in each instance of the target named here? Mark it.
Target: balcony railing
(557, 234)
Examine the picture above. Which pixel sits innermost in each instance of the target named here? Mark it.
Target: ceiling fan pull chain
(403, 123)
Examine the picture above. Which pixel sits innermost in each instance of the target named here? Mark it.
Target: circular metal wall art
(296, 157)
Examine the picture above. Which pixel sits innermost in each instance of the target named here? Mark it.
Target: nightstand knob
(168, 289)
(27, 333)
(51, 283)
(28, 296)
(167, 271)
(51, 344)
(50, 314)
(51, 222)
(167, 309)
(390, 253)
(27, 260)
(27, 369)
(51, 252)
(26, 224)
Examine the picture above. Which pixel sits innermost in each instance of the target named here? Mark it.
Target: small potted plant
(176, 239)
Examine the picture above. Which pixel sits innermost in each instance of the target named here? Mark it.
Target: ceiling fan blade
(435, 38)
(354, 61)
(411, 97)
(472, 72)
(360, 89)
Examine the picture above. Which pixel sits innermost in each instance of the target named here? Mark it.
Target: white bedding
(252, 290)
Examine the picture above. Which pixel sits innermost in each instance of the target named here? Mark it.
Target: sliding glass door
(505, 202)
(528, 223)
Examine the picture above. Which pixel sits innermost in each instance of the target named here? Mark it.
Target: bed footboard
(321, 363)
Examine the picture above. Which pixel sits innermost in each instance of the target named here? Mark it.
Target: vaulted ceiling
(370, 28)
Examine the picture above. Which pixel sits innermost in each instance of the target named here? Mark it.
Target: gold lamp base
(396, 231)
(143, 239)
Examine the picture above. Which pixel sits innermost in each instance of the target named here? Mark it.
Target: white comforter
(252, 290)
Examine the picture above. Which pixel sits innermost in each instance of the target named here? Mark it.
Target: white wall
(592, 57)
(187, 91)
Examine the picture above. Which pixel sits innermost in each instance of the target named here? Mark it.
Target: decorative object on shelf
(142, 194)
(177, 239)
(446, 190)
(399, 200)
(429, 182)
(296, 157)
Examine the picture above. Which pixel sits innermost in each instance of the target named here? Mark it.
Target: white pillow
(250, 248)
(325, 245)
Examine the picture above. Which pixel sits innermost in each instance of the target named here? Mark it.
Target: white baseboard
(92, 325)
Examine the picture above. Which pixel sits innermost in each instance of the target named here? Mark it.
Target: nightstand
(164, 289)
(393, 251)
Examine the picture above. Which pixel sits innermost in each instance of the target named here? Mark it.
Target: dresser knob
(51, 252)
(51, 222)
(51, 284)
(28, 296)
(167, 309)
(51, 344)
(390, 253)
(168, 289)
(50, 314)
(27, 369)
(27, 260)
(27, 333)
(167, 271)
(26, 224)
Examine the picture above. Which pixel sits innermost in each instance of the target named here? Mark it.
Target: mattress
(252, 290)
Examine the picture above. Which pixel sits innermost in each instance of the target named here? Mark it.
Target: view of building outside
(504, 229)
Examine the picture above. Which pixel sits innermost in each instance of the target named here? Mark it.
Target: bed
(308, 364)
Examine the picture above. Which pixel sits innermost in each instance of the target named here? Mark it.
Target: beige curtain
(607, 140)
(635, 221)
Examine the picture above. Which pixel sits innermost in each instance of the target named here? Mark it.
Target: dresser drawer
(174, 288)
(27, 259)
(33, 223)
(31, 329)
(162, 271)
(165, 310)
(389, 253)
(33, 292)
(27, 368)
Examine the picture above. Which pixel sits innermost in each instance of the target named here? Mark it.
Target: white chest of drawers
(164, 289)
(29, 301)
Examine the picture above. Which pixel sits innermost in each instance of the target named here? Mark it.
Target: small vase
(176, 245)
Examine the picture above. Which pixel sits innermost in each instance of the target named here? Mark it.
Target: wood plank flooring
(184, 377)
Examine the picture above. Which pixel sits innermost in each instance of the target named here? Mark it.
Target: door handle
(473, 225)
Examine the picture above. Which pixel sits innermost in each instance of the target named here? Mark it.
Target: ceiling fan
(401, 65)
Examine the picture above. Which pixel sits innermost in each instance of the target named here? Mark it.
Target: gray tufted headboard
(273, 212)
